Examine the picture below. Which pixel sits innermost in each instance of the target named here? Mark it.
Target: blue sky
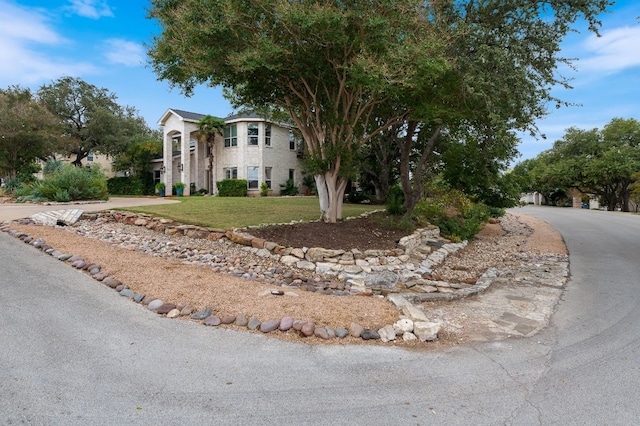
(102, 42)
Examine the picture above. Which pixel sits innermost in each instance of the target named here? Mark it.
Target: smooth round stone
(111, 282)
(355, 329)
(120, 288)
(127, 292)
(308, 329)
(100, 276)
(211, 321)
(174, 313)
(253, 324)
(286, 323)
(341, 333)
(79, 264)
(201, 314)
(155, 304)
(297, 324)
(331, 332)
(369, 335)
(187, 310)
(269, 325)
(228, 319)
(166, 308)
(94, 271)
(64, 257)
(138, 297)
(321, 332)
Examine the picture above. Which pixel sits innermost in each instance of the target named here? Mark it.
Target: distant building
(251, 148)
(92, 159)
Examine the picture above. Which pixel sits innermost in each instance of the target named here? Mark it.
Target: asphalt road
(74, 352)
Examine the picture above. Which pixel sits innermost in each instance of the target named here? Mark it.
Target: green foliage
(395, 201)
(68, 184)
(264, 189)
(288, 188)
(28, 131)
(137, 156)
(52, 166)
(232, 188)
(126, 185)
(457, 217)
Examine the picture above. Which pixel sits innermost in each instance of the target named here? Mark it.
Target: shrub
(396, 201)
(69, 184)
(129, 185)
(456, 216)
(264, 189)
(288, 188)
(232, 188)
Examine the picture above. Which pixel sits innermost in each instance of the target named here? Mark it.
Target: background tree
(208, 128)
(599, 162)
(27, 131)
(92, 118)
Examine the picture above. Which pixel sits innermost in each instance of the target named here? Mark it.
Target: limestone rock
(426, 331)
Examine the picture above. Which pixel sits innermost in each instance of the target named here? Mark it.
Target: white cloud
(615, 51)
(26, 25)
(93, 9)
(123, 52)
(25, 36)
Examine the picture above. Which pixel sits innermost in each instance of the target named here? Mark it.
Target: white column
(167, 162)
(185, 159)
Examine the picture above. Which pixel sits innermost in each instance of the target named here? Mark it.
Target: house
(252, 148)
(92, 159)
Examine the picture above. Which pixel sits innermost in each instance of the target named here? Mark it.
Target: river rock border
(407, 269)
(412, 326)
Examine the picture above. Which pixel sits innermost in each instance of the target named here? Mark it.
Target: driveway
(74, 352)
(15, 211)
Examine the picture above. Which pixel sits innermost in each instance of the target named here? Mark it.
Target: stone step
(61, 217)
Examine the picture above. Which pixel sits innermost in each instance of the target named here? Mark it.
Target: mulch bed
(363, 233)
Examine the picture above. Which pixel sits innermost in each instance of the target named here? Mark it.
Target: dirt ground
(185, 284)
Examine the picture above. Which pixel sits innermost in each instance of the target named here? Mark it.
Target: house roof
(195, 117)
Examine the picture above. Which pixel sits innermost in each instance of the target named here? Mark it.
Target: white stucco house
(252, 148)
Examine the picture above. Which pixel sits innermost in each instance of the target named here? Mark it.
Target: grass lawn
(238, 212)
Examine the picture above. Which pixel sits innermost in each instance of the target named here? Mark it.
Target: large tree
(504, 55)
(92, 118)
(600, 162)
(328, 64)
(28, 131)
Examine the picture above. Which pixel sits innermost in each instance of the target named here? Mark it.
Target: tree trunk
(331, 194)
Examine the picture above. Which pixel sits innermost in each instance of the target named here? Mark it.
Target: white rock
(426, 331)
(414, 313)
(404, 325)
(387, 333)
(408, 337)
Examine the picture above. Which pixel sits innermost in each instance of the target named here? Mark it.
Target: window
(267, 135)
(292, 140)
(252, 133)
(292, 173)
(252, 177)
(231, 136)
(231, 173)
(90, 156)
(156, 176)
(267, 176)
